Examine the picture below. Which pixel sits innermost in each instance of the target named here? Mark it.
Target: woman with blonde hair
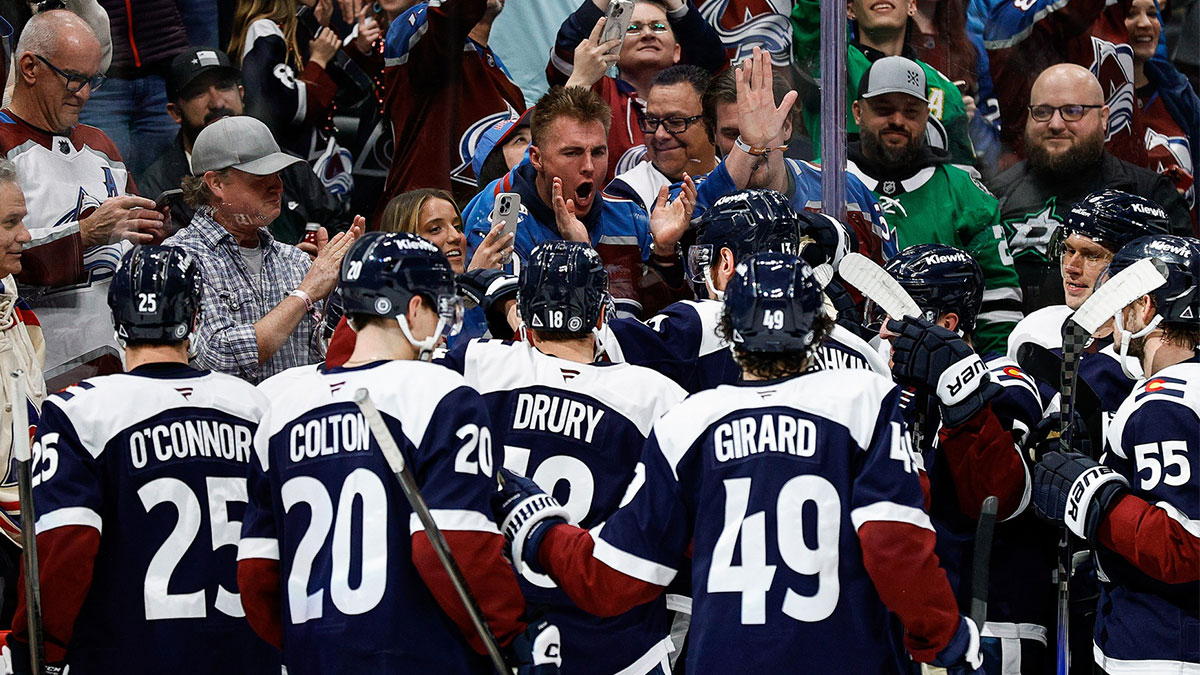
(266, 47)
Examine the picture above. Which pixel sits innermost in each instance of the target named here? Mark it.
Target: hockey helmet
(745, 222)
(382, 272)
(155, 295)
(1112, 219)
(940, 279)
(562, 288)
(772, 304)
(1178, 301)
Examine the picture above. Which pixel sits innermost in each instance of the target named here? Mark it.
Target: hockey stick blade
(1123, 288)
(29, 556)
(981, 570)
(408, 484)
(877, 286)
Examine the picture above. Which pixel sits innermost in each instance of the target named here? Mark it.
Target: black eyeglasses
(75, 81)
(1072, 112)
(673, 125)
(654, 26)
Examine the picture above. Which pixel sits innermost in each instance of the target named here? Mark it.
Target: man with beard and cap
(203, 87)
(1064, 139)
(926, 199)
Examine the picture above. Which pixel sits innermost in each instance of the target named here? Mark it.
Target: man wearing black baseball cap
(203, 87)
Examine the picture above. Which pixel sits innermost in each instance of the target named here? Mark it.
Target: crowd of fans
(971, 123)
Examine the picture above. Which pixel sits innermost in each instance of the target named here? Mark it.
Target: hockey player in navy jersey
(334, 566)
(796, 495)
(139, 486)
(1139, 506)
(1096, 227)
(973, 447)
(682, 341)
(576, 427)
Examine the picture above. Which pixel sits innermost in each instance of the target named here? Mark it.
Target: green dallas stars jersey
(944, 204)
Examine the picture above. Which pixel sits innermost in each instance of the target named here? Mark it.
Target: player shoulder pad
(1007, 373)
(1042, 327)
(282, 381)
(850, 398)
(1173, 394)
(861, 347)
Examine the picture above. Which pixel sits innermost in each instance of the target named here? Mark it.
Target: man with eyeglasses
(1067, 159)
(83, 210)
(661, 34)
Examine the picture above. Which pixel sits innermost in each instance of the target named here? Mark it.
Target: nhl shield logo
(888, 187)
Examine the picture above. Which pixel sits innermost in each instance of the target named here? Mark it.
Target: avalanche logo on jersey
(745, 24)
(1034, 232)
(1172, 150)
(1113, 66)
(1169, 386)
(470, 138)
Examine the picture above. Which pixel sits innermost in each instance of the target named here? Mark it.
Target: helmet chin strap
(1128, 336)
(424, 347)
(712, 289)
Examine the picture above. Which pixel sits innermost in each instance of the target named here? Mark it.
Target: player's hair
(196, 192)
(723, 89)
(774, 365)
(403, 212)
(682, 73)
(1181, 335)
(578, 103)
(659, 4)
(8, 172)
(560, 336)
(282, 12)
(41, 34)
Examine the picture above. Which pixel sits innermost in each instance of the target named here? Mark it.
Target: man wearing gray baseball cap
(258, 314)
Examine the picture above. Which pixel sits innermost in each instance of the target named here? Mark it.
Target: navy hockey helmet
(1178, 301)
(745, 222)
(772, 304)
(1112, 219)
(382, 272)
(562, 288)
(155, 295)
(940, 279)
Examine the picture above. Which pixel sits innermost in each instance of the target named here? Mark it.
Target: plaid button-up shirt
(234, 298)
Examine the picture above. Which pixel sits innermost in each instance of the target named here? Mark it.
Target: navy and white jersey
(773, 488)
(1099, 365)
(140, 488)
(1148, 617)
(328, 521)
(577, 430)
(682, 343)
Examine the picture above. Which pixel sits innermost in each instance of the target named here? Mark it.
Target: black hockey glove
(1075, 490)
(937, 361)
(848, 316)
(16, 661)
(525, 513)
(1046, 436)
(489, 289)
(962, 656)
(537, 651)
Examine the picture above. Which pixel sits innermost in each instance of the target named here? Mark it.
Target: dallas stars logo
(1034, 231)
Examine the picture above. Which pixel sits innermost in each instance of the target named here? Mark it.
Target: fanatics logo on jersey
(568, 374)
(185, 392)
(335, 386)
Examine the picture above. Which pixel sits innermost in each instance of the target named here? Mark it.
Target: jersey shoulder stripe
(1007, 373)
(639, 394)
(1042, 327)
(840, 396)
(99, 413)
(1177, 387)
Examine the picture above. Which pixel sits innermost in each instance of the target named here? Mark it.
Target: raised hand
(592, 57)
(760, 122)
(569, 226)
(494, 251)
(669, 220)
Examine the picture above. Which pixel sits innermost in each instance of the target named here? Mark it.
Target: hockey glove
(1046, 436)
(1075, 490)
(962, 656)
(848, 316)
(490, 290)
(939, 362)
(525, 513)
(537, 651)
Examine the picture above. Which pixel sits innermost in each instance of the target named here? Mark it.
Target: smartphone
(618, 18)
(166, 196)
(507, 210)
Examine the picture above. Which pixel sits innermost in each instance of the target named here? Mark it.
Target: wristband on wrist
(308, 302)
(754, 150)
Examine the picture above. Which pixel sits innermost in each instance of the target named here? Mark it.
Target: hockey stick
(33, 584)
(879, 287)
(1045, 366)
(1128, 285)
(395, 460)
(983, 560)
